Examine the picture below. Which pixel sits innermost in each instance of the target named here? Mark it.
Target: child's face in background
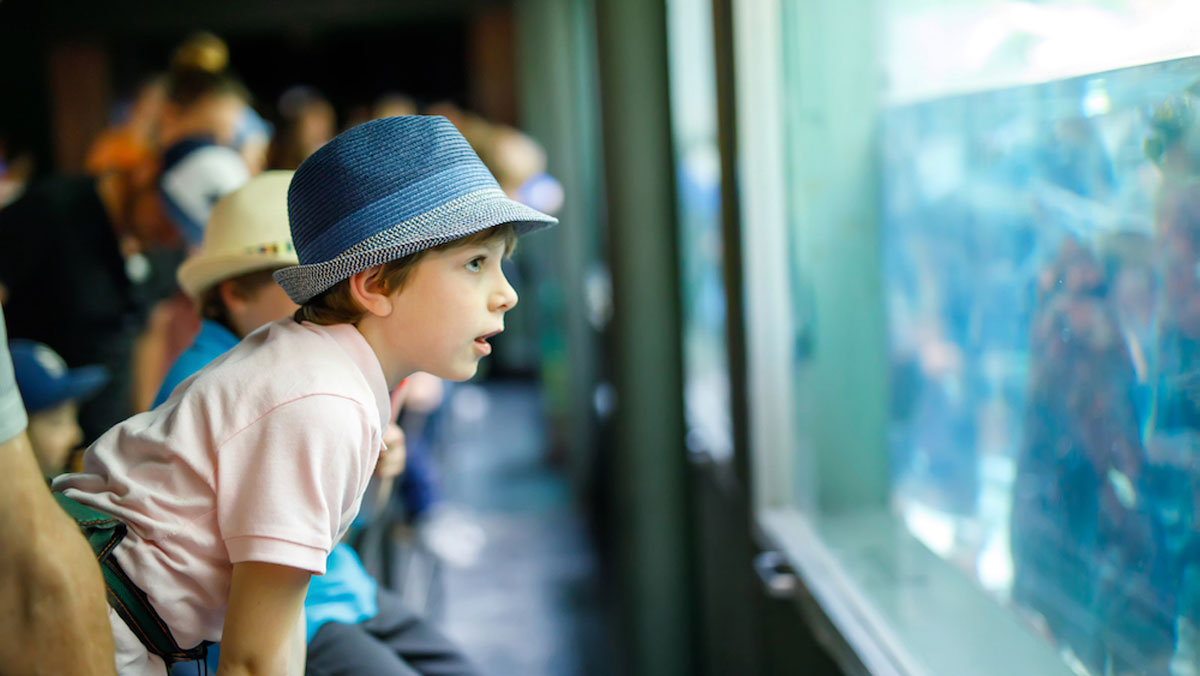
(452, 301)
(54, 434)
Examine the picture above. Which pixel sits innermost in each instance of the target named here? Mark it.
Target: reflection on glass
(936, 48)
(698, 195)
(1043, 285)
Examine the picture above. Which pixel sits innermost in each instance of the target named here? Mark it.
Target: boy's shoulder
(285, 360)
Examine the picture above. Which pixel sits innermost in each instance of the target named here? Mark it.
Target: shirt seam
(275, 538)
(221, 444)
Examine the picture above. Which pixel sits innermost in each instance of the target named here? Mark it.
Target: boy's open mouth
(484, 338)
(481, 344)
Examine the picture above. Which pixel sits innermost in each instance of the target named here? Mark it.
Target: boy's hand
(398, 397)
(392, 457)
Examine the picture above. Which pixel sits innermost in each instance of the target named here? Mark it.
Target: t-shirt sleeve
(12, 411)
(288, 482)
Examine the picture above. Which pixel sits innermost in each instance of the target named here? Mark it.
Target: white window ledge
(896, 606)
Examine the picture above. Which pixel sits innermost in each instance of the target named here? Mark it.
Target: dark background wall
(66, 63)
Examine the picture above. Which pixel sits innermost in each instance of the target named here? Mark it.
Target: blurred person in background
(307, 122)
(73, 275)
(1089, 552)
(206, 107)
(133, 136)
(1171, 417)
(1170, 414)
(252, 140)
(16, 170)
(49, 579)
(392, 104)
(229, 276)
(52, 393)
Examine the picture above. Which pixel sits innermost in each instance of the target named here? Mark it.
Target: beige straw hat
(247, 231)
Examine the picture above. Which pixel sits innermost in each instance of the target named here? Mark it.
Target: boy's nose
(505, 297)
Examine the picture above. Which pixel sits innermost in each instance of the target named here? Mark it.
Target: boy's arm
(266, 601)
(299, 646)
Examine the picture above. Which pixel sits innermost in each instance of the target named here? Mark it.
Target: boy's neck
(393, 370)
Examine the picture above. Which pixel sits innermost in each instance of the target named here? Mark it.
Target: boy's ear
(230, 297)
(367, 291)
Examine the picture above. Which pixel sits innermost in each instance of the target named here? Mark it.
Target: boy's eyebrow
(487, 245)
(472, 249)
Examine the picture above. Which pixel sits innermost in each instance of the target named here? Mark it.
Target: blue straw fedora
(386, 189)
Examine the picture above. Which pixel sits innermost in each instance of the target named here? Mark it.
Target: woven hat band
(456, 219)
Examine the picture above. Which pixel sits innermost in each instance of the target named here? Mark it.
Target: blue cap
(46, 382)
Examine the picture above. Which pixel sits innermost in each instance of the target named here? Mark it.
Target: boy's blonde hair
(337, 305)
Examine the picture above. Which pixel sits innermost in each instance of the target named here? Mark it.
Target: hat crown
(377, 175)
(45, 381)
(251, 217)
(385, 190)
(247, 231)
(49, 361)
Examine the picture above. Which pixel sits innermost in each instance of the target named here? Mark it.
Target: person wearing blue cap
(52, 394)
(212, 511)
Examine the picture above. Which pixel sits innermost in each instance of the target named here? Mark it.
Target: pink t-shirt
(261, 456)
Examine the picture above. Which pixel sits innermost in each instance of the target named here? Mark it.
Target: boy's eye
(476, 264)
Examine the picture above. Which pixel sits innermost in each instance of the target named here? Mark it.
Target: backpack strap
(103, 533)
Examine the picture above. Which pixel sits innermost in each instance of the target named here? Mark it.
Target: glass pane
(1042, 273)
(698, 188)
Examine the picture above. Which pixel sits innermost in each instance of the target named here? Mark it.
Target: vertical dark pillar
(492, 64)
(80, 93)
(653, 552)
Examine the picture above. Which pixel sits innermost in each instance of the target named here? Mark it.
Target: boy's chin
(460, 373)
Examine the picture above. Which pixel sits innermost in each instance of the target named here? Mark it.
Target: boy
(236, 489)
(229, 278)
(52, 394)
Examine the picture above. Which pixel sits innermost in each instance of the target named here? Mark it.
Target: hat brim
(454, 220)
(77, 385)
(196, 275)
